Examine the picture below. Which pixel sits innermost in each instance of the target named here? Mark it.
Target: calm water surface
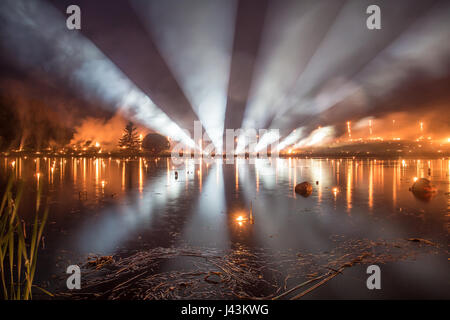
(106, 206)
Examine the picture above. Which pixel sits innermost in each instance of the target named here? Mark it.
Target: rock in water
(304, 188)
(423, 189)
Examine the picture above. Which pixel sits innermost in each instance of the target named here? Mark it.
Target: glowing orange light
(290, 151)
(415, 179)
(13, 164)
(97, 144)
(240, 220)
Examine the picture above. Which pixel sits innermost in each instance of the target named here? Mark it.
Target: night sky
(230, 64)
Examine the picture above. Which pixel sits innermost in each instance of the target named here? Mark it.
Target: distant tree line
(152, 143)
(32, 127)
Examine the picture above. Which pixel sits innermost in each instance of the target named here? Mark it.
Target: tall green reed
(18, 253)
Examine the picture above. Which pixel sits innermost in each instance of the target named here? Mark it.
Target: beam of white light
(292, 138)
(36, 37)
(196, 39)
(268, 138)
(331, 55)
(291, 30)
(333, 59)
(423, 46)
(283, 53)
(318, 137)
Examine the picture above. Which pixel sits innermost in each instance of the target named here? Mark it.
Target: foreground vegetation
(18, 252)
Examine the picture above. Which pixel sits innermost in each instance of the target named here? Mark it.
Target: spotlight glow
(196, 40)
(330, 79)
(291, 139)
(318, 137)
(74, 59)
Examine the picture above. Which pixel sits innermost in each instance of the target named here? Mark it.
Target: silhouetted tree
(130, 138)
(155, 143)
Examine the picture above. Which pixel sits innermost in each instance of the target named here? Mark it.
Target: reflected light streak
(75, 170)
(123, 175)
(118, 223)
(84, 173)
(168, 171)
(257, 178)
(38, 176)
(208, 211)
(141, 176)
(448, 177)
(295, 178)
(394, 186)
(371, 185)
(61, 170)
(200, 175)
(289, 171)
(97, 171)
(236, 175)
(349, 186)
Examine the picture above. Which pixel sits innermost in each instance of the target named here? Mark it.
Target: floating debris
(238, 273)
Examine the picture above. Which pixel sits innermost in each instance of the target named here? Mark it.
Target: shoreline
(354, 156)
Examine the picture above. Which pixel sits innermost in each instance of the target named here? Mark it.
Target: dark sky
(288, 64)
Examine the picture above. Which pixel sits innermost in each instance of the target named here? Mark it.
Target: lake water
(108, 206)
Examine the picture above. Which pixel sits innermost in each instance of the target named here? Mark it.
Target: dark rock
(423, 189)
(305, 189)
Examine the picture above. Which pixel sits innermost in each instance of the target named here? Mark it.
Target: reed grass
(19, 253)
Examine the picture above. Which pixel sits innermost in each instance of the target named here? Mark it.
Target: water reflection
(152, 201)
